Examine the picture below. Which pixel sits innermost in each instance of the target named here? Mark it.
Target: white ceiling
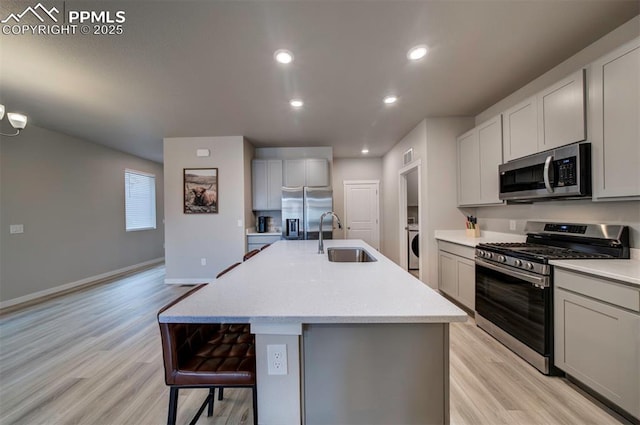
(206, 68)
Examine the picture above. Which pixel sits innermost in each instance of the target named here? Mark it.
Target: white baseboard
(74, 285)
(188, 281)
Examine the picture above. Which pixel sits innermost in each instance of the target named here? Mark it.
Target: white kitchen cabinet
(614, 123)
(448, 279)
(479, 154)
(520, 129)
(306, 172)
(257, 241)
(553, 117)
(294, 172)
(267, 184)
(457, 273)
(317, 172)
(561, 112)
(597, 335)
(468, 168)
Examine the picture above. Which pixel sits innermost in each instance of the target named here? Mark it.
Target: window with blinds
(140, 200)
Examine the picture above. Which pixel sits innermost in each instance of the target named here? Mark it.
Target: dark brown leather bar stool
(250, 254)
(206, 356)
(265, 247)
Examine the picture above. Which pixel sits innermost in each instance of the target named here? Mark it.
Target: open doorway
(409, 218)
(413, 223)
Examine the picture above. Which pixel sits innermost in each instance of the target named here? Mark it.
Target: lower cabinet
(457, 273)
(258, 241)
(597, 336)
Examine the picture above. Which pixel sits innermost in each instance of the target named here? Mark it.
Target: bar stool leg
(173, 406)
(220, 393)
(212, 398)
(254, 390)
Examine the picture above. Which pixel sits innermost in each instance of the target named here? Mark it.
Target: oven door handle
(535, 280)
(547, 179)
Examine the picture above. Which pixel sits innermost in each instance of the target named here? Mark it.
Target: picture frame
(200, 190)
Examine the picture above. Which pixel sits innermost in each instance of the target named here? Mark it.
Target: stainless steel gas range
(514, 281)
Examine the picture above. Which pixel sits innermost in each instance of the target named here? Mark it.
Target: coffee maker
(263, 224)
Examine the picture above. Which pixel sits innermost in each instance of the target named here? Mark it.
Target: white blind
(140, 200)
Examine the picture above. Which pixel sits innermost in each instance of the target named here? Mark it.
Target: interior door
(361, 212)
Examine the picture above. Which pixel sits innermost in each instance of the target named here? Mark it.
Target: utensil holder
(473, 233)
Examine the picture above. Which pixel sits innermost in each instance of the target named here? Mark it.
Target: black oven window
(516, 306)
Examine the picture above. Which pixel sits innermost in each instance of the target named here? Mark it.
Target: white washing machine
(414, 244)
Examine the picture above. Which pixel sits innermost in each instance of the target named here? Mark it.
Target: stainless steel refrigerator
(301, 211)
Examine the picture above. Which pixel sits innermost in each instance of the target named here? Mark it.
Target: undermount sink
(349, 255)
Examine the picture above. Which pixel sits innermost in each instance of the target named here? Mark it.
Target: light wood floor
(94, 357)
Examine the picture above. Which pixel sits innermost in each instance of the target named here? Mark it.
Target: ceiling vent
(407, 157)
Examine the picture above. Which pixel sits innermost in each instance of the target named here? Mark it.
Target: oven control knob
(530, 266)
(502, 258)
(489, 255)
(518, 263)
(480, 253)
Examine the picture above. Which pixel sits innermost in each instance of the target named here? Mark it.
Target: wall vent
(407, 157)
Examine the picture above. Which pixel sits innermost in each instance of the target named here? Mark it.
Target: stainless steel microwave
(558, 173)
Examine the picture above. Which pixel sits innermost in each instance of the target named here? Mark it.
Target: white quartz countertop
(291, 283)
(460, 237)
(623, 270)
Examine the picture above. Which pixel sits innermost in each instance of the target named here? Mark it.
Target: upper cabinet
(317, 172)
(294, 172)
(479, 154)
(521, 129)
(306, 172)
(614, 129)
(554, 117)
(561, 113)
(468, 168)
(267, 184)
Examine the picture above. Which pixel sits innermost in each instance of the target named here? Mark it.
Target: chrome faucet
(320, 243)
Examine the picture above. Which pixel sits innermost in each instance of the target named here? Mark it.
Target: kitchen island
(366, 342)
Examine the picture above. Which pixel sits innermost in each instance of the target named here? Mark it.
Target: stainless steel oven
(514, 282)
(516, 307)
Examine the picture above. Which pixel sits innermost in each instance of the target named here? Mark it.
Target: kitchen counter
(291, 283)
(627, 271)
(254, 233)
(355, 327)
(460, 237)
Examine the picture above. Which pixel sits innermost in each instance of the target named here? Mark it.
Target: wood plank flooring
(94, 357)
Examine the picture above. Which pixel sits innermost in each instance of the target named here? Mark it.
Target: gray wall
(391, 164)
(497, 218)
(69, 195)
(352, 169)
(219, 238)
(434, 142)
(609, 42)
(578, 211)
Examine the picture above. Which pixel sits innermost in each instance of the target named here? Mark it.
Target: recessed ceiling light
(296, 103)
(390, 100)
(417, 52)
(283, 56)
(365, 151)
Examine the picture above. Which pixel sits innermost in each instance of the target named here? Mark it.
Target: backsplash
(577, 211)
(275, 223)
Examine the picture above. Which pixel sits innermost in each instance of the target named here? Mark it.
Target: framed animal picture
(200, 190)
